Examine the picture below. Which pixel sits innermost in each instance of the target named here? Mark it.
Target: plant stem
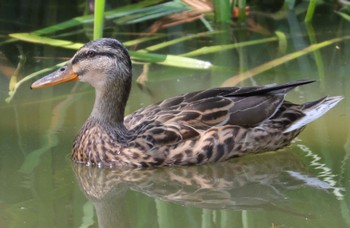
(241, 7)
(222, 11)
(310, 10)
(99, 18)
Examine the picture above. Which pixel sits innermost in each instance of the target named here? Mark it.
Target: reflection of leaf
(276, 62)
(33, 159)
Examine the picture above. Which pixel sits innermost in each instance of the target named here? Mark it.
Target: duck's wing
(246, 107)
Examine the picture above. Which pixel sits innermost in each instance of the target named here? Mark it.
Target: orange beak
(64, 74)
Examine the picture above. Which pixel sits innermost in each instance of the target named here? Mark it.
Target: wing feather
(183, 117)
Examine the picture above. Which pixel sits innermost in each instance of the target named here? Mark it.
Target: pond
(304, 185)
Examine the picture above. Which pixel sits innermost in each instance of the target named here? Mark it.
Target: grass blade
(142, 40)
(310, 10)
(276, 62)
(217, 48)
(344, 15)
(171, 60)
(33, 38)
(178, 40)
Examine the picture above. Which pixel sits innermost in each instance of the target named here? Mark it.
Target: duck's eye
(91, 53)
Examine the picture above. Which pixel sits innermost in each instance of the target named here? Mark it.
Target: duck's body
(195, 128)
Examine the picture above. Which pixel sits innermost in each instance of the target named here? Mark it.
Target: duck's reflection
(255, 182)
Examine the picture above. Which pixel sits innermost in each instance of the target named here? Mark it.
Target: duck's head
(100, 62)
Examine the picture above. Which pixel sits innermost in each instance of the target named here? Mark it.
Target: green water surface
(304, 185)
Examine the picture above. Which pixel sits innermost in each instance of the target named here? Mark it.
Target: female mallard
(195, 128)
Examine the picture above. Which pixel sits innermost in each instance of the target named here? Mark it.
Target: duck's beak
(64, 74)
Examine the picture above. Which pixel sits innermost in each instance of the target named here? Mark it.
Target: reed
(99, 18)
(310, 10)
(222, 11)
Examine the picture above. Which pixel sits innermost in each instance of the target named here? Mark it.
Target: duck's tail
(314, 110)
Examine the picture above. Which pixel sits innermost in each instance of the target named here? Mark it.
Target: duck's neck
(110, 102)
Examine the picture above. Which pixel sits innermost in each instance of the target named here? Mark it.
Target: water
(304, 185)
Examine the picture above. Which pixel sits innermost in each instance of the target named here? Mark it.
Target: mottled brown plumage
(195, 128)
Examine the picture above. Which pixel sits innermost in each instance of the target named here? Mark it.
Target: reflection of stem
(344, 175)
(317, 54)
(18, 129)
(29, 77)
(245, 223)
(58, 115)
(162, 212)
(88, 217)
(206, 218)
(143, 78)
(14, 77)
(344, 162)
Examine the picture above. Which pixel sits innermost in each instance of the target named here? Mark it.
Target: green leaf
(344, 15)
(218, 48)
(171, 60)
(276, 62)
(178, 40)
(153, 12)
(142, 40)
(30, 37)
(118, 12)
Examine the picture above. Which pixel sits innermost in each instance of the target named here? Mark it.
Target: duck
(196, 128)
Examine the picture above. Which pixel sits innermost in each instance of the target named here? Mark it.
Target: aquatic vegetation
(257, 44)
(152, 9)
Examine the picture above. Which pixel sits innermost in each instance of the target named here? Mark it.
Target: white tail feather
(314, 112)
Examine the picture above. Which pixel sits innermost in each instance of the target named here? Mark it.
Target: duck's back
(209, 108)
(216, 124)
